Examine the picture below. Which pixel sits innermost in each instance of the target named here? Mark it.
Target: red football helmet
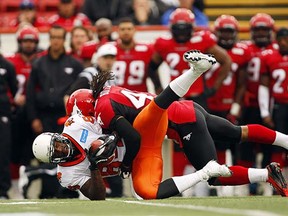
(28, 33)
(82, 102)
(262, 26)
(181, 23)
(226, 29)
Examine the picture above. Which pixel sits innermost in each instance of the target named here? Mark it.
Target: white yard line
(229, 211)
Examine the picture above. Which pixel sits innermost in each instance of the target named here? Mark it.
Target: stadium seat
(51, 5)
(6, 18)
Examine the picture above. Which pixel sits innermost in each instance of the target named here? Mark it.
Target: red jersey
(90, 47)
(253, 70)
(131, 66)
(79, 19)
(172, 53)
(22, 69)
(115, 100)
(224, 96)
(276, 66)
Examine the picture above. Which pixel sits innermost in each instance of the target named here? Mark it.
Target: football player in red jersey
(116, 108)
(226, 103)
(28, 39)
(273, 87)
(132, 60)
(261, 30)
(170, 49)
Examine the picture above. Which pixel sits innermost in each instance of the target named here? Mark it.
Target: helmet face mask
(52, 148)
(61, 156)
(226, 30)
(262, 36)
(226, 38)
(261, 27)
(182, 32)
(28, 38)
(181, 24)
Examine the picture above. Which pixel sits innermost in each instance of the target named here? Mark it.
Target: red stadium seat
(48, 5)
(6, 18)
(51, 5)
(13, 5)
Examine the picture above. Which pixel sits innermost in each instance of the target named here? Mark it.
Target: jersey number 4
(137, 99)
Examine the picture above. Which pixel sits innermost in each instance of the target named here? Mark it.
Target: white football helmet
(43, 148)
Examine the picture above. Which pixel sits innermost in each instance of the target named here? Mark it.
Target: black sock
(167, 189)
(166, 98)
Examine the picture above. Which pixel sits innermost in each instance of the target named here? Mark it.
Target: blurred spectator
(28, 14)
(8, 89)
(111, 9)
(103, 34)
(200, 18)
(79, 35)
(51, 76)
(145, 12)
(68, 15)
(27, 39)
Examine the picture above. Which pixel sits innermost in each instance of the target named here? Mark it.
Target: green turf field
(216, 206)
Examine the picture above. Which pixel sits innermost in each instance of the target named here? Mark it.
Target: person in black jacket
(8, 87)
(50, 78)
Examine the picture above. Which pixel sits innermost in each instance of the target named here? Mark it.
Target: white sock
(187, 181)
(281, 140)
(181, 84)
(257, 175)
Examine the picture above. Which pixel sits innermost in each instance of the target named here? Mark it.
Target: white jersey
(82, 131)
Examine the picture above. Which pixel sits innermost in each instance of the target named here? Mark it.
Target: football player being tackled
(79, 170)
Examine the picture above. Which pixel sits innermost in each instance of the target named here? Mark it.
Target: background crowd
(35, 83)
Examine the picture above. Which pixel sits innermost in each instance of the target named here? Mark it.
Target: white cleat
(214, 169)
(199, 61)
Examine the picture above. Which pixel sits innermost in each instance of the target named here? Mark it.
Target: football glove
(107, 150)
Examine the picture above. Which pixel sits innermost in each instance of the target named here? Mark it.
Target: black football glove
(109, 146)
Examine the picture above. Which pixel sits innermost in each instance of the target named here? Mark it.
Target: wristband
(235, 109)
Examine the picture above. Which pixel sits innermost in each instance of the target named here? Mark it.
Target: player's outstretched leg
(199, 63)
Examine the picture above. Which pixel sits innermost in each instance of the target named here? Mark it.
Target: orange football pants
(152, 124)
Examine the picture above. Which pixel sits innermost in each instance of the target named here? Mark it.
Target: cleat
(214, 169)
(276, 179)
(198, 61)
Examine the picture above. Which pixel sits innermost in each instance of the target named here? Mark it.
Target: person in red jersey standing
(273, 92)
(183, 37)
(27, 39)
(226, 101)
(104, 34)
(132, 60)
(262, 38)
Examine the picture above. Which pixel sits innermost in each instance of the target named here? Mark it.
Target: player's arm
(130, 136)
(94, 188)
(224, 60)
(153, 66)
(263, 99)
(239, 95)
